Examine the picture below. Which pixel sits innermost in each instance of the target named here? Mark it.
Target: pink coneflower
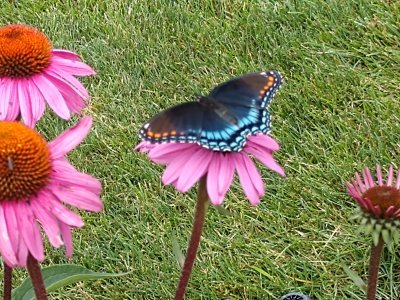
(187, 163)
(380, 205)
(379, 201)
(36, 180)
(32, 73)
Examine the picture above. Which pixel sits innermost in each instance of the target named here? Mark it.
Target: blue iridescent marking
(222, 120)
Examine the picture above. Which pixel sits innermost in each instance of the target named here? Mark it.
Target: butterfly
(223, 119)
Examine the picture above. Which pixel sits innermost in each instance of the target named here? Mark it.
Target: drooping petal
(6, 248)
(249, 177)
(51, 203)
(213, 180)
(73, 100)
(226, 174)
(25, 102)
(160, 150)
(173, 171)
(5, 92)
(30, 231)
(67, 238)
(219, 177)
(70, 138)
(49, 223)
(164, 153)
(263, 141)
(267, 159)
(66, 175)
(38, 104)
(74, 67)
(187, 162)
(78, 197)
(22, 254)
(195, 167)
(12, 224)
(18, 244)
(13, 104)
(70, 79)
(66, 54)
(52, 95)
(9, 105)
(254, 175)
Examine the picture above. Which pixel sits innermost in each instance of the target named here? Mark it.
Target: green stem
(199, 219)
(373, 270)
(7, 282)
(37, 278)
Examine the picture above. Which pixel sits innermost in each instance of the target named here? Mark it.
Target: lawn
(337, 111)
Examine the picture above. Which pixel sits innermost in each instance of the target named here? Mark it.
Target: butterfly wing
(191, 122)
(250, 90)
(223, 132)
(221, 121)
(180, 123)
(245, 100)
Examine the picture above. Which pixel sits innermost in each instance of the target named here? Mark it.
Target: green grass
(337, 111)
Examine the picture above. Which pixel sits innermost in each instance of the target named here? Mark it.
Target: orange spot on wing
(150, 133)
(270, 84)
(165, 134)
(173, 132)
(157, 135)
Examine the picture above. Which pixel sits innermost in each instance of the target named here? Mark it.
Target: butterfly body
(220, 109)
(222, 120)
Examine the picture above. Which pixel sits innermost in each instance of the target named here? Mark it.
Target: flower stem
(7, 282)
(37, 278)
(199, 219)
(373, 270)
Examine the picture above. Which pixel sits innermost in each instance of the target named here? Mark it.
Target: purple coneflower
(36, 180)
(187, 163)
(32, 73)
(379, 202)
